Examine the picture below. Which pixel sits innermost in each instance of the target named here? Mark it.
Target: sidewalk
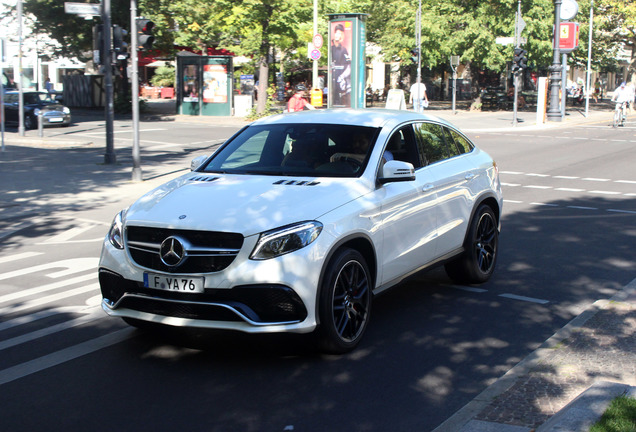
(595, 354)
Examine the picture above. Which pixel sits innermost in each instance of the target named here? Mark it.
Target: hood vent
(203, 178)
(296, 183)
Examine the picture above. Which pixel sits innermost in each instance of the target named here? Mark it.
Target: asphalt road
(567, 240)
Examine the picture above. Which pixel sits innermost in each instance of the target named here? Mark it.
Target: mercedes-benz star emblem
(172, 252)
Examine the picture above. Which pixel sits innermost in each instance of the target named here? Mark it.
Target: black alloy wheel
(345, 302)
(477, 264)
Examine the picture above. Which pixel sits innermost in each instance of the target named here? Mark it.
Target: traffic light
(520, 59)
(145, 39)
(119, 45)
(415, 55)
(98, 44)
(523, 59)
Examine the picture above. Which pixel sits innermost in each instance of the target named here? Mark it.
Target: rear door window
(430, 143)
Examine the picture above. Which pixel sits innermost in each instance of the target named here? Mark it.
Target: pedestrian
(298, 102)
(418, 96)
(48, 85)
(597, 90)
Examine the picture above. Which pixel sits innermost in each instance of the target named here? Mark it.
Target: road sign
(315, 54)
(510, 40)
(83, 8)
(317, 41)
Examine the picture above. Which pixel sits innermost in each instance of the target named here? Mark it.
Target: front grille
(268, 303)
(208, 251)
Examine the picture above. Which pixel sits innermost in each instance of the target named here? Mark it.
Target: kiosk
(204, 85)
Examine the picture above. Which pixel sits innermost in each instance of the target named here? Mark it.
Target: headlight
(36, 111)
(65, 110)
(116, 233)
(285, 240)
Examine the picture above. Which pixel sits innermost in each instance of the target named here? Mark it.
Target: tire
(344, 303)
(477, 263)
(29, 123)
(617, 117)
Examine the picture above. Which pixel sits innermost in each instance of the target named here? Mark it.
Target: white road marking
(48, 299)
(566, 177)
(621, 211)
(38, 290)
(581, 208)
(75, 265)
(510, 184)
(537, 187)
(570, 190)
(524, 298)
(27, 319)
(625, 181)
(16, 257)
(595, 179)
(600, 192)
(54, 359)
(544, 204)
(95, 313)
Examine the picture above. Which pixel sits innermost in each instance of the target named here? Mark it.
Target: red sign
(568, 36)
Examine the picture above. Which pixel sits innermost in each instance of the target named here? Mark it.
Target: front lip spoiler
(109, 307)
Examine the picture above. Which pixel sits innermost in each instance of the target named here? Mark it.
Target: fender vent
(296, 183)
(203, 179)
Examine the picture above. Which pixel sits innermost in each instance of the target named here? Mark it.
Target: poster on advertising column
(215, 83)
(340, 62)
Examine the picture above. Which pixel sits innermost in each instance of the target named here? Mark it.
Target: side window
(430, 143)
(401, 146)
(457, 142)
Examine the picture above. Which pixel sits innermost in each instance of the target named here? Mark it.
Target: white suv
(295, 222)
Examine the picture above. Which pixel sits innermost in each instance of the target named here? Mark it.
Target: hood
(246, 204)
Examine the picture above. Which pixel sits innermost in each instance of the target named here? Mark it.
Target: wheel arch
(358, 242)
(491, 202)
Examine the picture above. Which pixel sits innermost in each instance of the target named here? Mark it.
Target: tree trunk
(263, 79)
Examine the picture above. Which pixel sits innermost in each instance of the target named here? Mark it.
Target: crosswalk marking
(48, 299)
(16, 257)
(30, 367)
(38, 290)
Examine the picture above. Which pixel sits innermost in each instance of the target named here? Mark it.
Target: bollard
(40, 125)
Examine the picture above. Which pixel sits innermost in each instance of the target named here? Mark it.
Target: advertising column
(347, 41)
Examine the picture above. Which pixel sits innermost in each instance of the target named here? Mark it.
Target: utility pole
(134, 58)
(109, 156)
(554, 113)
(418, 43)
(518, 30)
(589, 60)
(20, 74)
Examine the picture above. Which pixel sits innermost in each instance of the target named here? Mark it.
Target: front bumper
(254, 305)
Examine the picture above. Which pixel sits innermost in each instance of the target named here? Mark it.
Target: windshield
(38, 98)
(308, 150)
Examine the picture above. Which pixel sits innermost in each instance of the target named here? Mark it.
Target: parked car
(299, 219)
(35, 104)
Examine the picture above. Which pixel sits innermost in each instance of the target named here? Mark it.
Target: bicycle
(620, 114)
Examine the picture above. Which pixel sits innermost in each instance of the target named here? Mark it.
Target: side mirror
(397, 171)
(197, 162)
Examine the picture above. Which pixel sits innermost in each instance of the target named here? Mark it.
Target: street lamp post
(554, 112)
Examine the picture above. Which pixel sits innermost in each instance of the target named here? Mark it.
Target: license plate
(56, 119)
(173, 283)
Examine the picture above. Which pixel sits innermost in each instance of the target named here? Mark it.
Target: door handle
(469, 176)
(428, 187)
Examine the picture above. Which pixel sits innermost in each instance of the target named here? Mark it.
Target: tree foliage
(258, 29)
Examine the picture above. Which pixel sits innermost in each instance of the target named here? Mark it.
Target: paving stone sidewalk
(597, 346)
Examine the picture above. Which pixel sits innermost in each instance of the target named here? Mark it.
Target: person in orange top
(298, 102)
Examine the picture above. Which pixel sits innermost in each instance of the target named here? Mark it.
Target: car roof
(350, 117)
